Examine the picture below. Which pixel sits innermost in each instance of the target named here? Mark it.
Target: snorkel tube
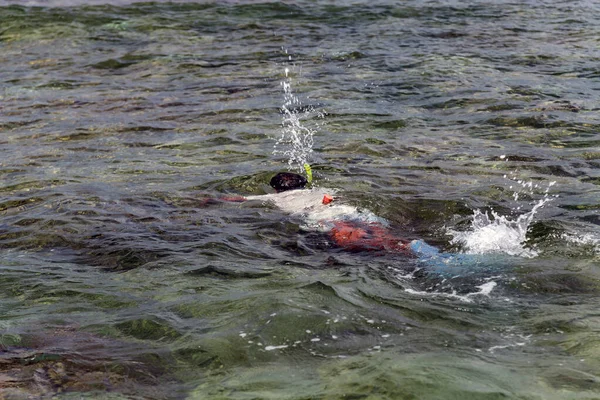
(308, 172)
(327, 198)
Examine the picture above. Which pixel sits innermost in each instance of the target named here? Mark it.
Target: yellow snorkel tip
(308, 172)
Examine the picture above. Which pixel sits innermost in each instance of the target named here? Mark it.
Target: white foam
(494, 233)
(271, 348)
(515, 340)
(494, 348)
(484, 290)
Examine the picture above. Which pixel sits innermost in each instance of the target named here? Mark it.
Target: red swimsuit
(357, 236)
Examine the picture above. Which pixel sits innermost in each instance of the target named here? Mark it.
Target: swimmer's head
(287, 181)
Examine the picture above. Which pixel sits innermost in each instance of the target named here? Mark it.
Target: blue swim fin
(447, 263)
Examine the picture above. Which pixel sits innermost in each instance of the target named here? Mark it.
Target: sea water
(125, 273)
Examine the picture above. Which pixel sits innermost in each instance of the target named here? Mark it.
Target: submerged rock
(45, 364)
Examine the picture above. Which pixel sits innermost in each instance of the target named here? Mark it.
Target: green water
(119, 281)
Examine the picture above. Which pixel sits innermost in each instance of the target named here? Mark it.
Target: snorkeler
(346, 226)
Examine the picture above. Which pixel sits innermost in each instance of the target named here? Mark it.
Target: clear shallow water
(119, 281)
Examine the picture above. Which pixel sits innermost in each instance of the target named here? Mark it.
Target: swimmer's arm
(216, 200)
(233, 199)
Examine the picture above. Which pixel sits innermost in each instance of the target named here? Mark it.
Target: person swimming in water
(347, 227)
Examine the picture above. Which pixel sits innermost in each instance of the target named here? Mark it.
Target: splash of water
(494, 233)
(296, 140)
